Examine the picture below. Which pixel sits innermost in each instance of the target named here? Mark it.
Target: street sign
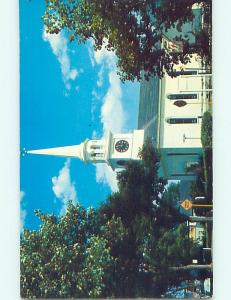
(186, 204)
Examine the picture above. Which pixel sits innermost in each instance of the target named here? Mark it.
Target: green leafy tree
(143, 227)
(168, 211)
(65, 257)
(133, 29)
(126, 248)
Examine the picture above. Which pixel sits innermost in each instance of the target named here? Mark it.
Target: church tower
(115, 150)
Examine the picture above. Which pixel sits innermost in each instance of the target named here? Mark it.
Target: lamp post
(189, 138)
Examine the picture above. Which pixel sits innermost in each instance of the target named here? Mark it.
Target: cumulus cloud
(112, 116)
(23, 212)
(58, 43)
(100, 77)
(105, 175)
(63, 187)
(112, 113)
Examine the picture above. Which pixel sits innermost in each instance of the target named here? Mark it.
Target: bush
(206, 130)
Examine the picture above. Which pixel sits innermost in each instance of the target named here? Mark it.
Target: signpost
(187, 204)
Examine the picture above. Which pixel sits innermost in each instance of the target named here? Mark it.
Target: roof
(148, 108)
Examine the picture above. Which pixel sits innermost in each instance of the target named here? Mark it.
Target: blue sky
(68, 93)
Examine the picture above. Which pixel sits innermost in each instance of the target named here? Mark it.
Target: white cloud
(63, 187)
(23, 212)
(95, 95)
(90, 50)
(112, 114)
(95, 135)
(58, 43)
(73, 74)
(100, 77)
(104, 174)
(113, 117)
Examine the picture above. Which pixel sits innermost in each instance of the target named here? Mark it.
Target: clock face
(121, 146)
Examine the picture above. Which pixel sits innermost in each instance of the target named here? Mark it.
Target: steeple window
(97, 155)
(95, 147)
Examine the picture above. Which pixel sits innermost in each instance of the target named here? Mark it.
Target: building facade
(171, 111)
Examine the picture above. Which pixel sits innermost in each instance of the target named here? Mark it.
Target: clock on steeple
(122, 146)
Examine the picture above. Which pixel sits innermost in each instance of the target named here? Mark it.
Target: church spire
(75, 151)
(115, 150)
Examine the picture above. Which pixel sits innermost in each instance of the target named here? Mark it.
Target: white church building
(170, 112)
(181, 104)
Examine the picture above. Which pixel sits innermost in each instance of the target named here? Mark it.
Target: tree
(168, 211)
(126, 248)
(65, 257)
(145, 231)
(133, 29)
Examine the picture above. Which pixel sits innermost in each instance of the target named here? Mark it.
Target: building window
(185, 72)
(182, 154)
(97, 155)
(179, 175)
(96, 147)
(182, 96)
(182, 120)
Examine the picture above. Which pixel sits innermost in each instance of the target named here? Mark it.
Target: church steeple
(114, 150)
(75, 151)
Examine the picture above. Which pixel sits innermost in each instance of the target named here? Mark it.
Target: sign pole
(187, 204)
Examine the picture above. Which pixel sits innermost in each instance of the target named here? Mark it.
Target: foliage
(124, 249)
(173, 248)
(150, 230)
(206, 140)
(168, 211)
(133, 29)
(206, 130)
(65, 257)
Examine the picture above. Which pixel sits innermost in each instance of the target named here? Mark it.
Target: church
(170, 114)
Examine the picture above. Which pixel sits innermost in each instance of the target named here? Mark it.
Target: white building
(170, 113)
(183, 101)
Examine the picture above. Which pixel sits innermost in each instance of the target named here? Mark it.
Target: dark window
(182, 96)
(97, 154)
(96, 146)
(204, 73)
(181, 154)
(182, 120)
(187, 72)
(176, 175)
